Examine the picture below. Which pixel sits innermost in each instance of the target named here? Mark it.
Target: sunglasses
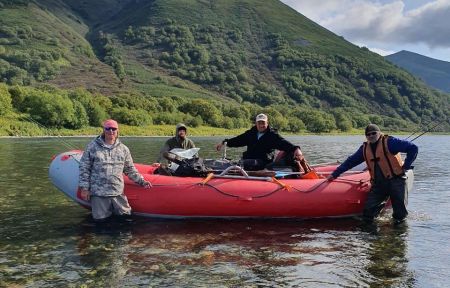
(371, 133)
(110, 129)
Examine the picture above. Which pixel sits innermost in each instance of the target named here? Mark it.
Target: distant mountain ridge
(434, 72)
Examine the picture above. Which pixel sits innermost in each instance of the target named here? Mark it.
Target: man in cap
(102, 166)
(387, 171)
(180, 140)
(261, 141)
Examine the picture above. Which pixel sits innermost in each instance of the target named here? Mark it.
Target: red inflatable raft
(229, 195)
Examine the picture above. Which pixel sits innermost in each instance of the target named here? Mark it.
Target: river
(48, 241)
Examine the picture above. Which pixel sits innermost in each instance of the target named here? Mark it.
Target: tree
(295, 124)
(131, 117)
(5, 99)
(206, 110)
(95, 113)
(343, 122)
(80, 118)
(50, 109)
(317, 121)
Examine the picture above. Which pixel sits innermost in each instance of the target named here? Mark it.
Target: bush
(131, 117)
(206, 110)
(193, 121)
(343, 123)
(17, 96)
(317, 121)
(51, 110)
(5, 99)
(81, 118)
(168, 118)
(95, 113)
(295, 124)
(135, 102)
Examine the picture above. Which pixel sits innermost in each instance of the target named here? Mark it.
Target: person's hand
(219, 146)
(156, 165)
(298, 155)
(146, 184)
(85, 195)
(330, 177)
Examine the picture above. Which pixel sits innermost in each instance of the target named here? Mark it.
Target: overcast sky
(385, 26)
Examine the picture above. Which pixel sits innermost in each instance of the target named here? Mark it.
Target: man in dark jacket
(261, 142)
(387, 171)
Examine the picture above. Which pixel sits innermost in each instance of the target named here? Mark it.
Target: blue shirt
(395, 146)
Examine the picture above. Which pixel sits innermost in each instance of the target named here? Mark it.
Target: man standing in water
(102, 166)
(387, 172)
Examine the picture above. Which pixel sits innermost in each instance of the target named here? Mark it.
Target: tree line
(75, 109)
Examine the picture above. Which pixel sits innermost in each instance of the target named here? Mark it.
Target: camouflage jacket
(102, 168)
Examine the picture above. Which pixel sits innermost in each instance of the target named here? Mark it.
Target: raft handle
(234, 169)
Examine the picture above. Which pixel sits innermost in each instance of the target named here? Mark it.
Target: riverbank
(13, 127)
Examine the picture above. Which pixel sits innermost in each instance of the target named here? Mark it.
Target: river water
(48, 241)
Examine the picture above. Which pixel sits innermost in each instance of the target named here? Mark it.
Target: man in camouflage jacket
(102, 166)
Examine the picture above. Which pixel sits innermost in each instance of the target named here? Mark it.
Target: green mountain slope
(435, 73)
(41, 44)
(237, 57)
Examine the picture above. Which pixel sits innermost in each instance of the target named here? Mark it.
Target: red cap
(110, 123)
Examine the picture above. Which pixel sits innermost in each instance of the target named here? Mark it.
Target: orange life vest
(389, 163)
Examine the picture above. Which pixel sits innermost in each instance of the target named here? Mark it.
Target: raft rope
(285, 186)
(280, 188)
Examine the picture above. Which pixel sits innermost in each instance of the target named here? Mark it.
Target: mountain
(435, 73)
(211, 62)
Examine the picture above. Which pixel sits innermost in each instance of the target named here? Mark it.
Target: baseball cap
(261, 117)
(110, 123)
(371, 128)
(181, 126)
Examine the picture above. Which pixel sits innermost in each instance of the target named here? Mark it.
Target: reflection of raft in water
(229, 196)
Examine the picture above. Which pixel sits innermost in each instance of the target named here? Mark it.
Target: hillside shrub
(131, 117)
(51, 110)
(5, 99)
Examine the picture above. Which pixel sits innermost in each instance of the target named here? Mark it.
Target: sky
(385, 26)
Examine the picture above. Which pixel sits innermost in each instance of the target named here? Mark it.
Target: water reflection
(387, 258)
(272, 253)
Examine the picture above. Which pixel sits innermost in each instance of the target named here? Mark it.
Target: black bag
(191, 168)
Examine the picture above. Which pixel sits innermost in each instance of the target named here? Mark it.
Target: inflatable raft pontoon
(228, 196)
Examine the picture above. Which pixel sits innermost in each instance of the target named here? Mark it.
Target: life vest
(390, 164)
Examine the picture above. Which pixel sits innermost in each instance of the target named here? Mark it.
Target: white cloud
(428, 24)
(377, 23)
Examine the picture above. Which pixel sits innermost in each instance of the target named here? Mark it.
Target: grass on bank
(12, 126)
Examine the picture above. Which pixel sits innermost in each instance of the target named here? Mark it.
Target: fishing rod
(59, 137)
(420, 129)
(429, 129)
